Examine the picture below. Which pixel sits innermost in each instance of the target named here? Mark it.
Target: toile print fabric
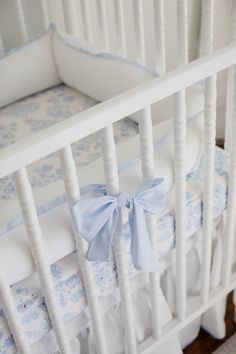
(36, 113)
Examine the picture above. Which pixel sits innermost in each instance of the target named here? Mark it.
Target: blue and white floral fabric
(28, 295)
(36, 113)
(42, 110)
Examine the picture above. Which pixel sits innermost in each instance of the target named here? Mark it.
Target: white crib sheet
(70, 292)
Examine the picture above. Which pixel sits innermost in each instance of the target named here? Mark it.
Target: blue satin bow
(99, 219)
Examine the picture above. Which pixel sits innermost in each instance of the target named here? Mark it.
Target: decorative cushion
(102, 76)
(28, 69)
(98, 75)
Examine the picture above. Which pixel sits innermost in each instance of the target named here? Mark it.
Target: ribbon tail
(100, 246)
(142, 253)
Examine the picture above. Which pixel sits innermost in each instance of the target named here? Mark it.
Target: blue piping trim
(70, 42)
(25, 44)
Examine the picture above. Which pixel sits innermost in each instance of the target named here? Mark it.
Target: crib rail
(81, 125)
(18, 156)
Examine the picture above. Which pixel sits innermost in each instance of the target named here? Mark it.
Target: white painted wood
(71, 17)
(2, 51)
(73, 195)
(230, 80)
(207, 27)
(195, 310)
(102, 5)
(112, 182)
(147, 158)
(21, 20)
(139, 31)
(182, 10)
(45, 14)
(146, 144)
(121, 30)
(80, 125)
(38, 250)
(180, 201)
(88, 27)
(208, 189)
(9, 306)
(231, 203)
(159, 21)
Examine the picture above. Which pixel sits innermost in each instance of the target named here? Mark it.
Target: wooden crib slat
(182, 11)
(2, 51)
(71, 17)
(229, 241)
(39, 253)
(45, 14)
(112, 182)
(147, 158)
(139, 31)
(88, 27)
(9, 307)
(180, 200)
(208, 188)
(21, 20)
(146, 144)
(73, 194)
(230, 81)
(179, 114)
(159, 21)
(102, 4)
(121, 32)
(206, 45)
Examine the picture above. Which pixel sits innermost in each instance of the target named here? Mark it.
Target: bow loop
(98, 220)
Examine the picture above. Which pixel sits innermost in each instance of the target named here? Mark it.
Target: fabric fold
(99, 221)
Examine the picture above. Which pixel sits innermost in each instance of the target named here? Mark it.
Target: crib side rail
(54, 138)
(18, 156)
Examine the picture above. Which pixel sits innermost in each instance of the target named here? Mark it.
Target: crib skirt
(82, 336)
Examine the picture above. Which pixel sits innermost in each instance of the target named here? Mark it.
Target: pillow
(28, 69)
(102, 76)
(98, 75)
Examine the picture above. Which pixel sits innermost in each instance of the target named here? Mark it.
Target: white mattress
(21, 119)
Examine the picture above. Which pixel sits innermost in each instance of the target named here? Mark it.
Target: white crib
(59, 138)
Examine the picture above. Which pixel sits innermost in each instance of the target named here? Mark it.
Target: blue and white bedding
(24, 117)
(70, 292)
(42, 110)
